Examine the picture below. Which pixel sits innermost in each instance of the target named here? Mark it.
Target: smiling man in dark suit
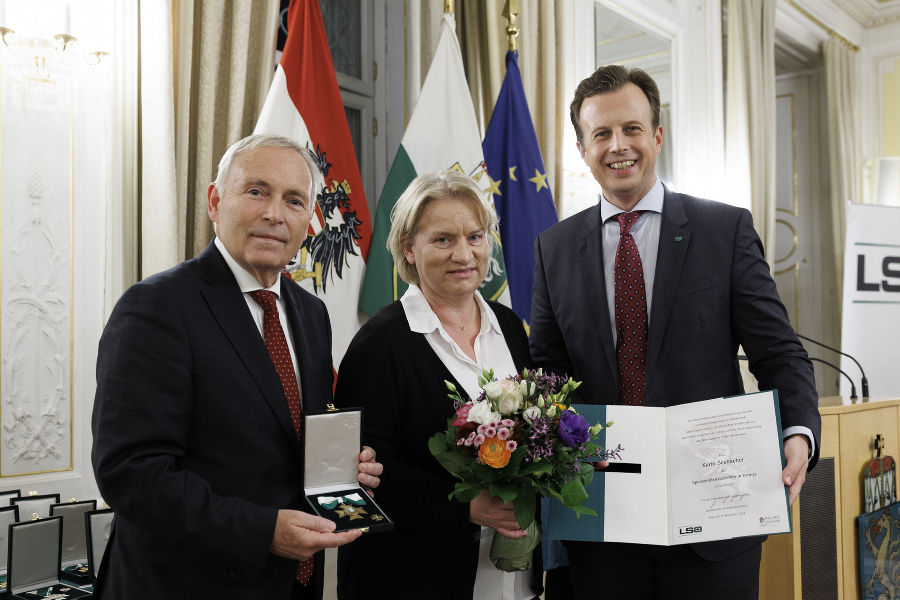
(646, 297)
(201, 379)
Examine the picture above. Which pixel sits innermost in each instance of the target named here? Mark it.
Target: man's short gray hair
(267, 140)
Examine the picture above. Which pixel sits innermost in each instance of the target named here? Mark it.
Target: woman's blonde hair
(409, 207)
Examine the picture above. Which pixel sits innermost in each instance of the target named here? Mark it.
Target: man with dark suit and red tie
(646, 297)
(202, 375)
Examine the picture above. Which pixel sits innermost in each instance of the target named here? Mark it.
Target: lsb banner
(871, 321)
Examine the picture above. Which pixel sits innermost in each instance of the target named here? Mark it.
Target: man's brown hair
(609, 79)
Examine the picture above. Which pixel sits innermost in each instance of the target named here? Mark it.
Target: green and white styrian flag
(442, 134)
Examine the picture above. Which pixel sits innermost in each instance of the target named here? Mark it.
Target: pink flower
(479, 439)
(491, 431)
(511, 445)
(482, 429)
(493, 424)
(507, 422)
(462, 415)
(460, 441)
(503, 433)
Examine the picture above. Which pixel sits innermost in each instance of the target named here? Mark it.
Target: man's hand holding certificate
(695, 472)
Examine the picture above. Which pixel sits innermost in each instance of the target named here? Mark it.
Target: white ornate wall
(56, 178)
(35, 277)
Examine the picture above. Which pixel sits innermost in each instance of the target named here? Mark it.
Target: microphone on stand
(864, 382)
(833, 366)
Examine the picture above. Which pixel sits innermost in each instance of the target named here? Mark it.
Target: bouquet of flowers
(519, 439)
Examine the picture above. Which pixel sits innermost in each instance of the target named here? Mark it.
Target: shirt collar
(245, 280)
(423, 320)
(652, 201)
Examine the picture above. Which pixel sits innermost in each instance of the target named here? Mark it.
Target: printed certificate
(695, 472)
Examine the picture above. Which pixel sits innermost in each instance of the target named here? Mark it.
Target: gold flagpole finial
(511, 11)
(448, 7)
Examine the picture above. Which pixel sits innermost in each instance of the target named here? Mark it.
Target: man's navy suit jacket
(712, 292)
(194, 447)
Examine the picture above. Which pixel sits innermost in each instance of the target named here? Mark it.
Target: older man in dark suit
(202, 374)
(646, 298)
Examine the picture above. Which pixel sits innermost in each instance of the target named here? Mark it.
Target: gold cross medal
(350, 511)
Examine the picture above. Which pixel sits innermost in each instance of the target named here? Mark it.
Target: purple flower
(573, 429)
(503, 433)
(615, 453)
(540, 440)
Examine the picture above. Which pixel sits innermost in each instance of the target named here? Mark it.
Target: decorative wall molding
(882, 53)
(871, 14)
(35, 283)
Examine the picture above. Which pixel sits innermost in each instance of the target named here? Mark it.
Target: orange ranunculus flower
(494, 453)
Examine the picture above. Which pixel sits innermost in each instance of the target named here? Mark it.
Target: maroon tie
(276, 343)
(631, 315)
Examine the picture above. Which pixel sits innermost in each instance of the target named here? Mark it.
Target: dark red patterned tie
(631, 315)
(276, 343)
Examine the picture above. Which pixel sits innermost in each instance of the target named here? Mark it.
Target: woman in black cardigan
(395, 369)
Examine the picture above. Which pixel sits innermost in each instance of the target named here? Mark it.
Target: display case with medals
(6, 497)
(35, 548)
(97, 527)
(74, 566)
(8, 516)
(34, 504)
(332, 442)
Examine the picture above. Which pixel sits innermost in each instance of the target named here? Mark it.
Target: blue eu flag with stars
(519, 185)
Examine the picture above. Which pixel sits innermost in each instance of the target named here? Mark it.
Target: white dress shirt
(491, 352)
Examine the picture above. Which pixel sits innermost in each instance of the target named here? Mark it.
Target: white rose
(492, 389)
(510, 397)
(508, 386)
(481, 413)
(530, 413)
(508, 404)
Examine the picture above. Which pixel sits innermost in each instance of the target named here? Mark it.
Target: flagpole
(511, 11)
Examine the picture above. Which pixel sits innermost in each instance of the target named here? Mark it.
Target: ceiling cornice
(870, 13)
